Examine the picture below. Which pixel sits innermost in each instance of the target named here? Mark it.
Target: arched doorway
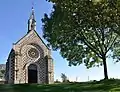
(32, 73)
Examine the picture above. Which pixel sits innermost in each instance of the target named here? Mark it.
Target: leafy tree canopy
(85, 31)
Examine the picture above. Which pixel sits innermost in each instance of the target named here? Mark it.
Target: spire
(31, 21)
(32, 16)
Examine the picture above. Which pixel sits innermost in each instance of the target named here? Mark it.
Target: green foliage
(84, 31)
(64, 77)
(2, 73)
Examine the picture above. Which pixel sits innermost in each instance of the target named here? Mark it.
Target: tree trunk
(105, 68)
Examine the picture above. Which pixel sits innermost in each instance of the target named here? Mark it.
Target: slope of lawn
(96, 86)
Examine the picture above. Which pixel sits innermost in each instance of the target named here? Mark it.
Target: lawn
(96, 86)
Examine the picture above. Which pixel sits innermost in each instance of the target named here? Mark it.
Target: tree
(2, 73)
(85, 31)
(64, 77)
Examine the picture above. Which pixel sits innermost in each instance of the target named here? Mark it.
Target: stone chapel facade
(30, 59)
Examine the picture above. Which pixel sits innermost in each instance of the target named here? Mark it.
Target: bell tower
(32, 21)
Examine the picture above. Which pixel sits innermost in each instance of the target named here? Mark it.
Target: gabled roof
(38, 37)
(41, 39)
(21, 39)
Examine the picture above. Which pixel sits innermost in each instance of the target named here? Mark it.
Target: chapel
(30, 60)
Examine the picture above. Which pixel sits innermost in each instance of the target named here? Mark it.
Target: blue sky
(14, 15)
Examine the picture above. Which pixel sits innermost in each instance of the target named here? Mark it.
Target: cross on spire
(31, 21)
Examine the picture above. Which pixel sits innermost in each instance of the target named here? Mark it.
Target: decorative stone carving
(29, 50)
(33, 53)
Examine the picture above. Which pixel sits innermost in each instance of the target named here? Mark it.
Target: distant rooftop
(2, 66)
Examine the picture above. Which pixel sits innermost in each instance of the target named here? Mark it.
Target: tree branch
(90, 45)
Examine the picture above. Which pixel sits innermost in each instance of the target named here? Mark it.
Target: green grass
(96, 86)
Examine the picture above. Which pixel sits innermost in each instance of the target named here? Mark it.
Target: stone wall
(30, 50)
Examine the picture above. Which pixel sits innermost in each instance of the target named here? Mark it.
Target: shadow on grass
(96, 86)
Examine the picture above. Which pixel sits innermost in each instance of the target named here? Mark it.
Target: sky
(14, 15)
